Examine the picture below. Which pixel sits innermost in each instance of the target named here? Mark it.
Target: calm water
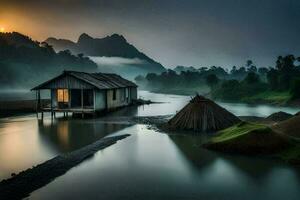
(148, 164)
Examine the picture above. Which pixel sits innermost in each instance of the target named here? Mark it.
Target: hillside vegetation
(24, 62)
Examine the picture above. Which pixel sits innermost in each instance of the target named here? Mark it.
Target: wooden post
(39, 103)
(70, 98)
(82, 115)
(94, 101)
(51, 99)
(36, 105)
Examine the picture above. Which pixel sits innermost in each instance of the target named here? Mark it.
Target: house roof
(101, 81)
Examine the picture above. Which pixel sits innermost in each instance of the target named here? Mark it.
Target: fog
(126, 67)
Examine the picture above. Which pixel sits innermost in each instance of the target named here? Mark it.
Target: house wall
(124, 97)
(100, 100)
(54, 97)
(133, 92)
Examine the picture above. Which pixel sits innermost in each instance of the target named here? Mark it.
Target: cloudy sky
(173, 32)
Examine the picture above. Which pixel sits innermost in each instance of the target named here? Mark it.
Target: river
(148, 164)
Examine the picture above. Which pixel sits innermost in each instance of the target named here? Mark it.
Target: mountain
(60, 44)
(18, 40)
(114, 46)
(25, 63)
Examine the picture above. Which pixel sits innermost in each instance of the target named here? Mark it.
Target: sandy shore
(22, 184)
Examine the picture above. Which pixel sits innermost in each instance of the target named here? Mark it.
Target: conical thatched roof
(202, 114)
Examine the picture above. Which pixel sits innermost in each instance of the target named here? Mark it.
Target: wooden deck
(72, 110)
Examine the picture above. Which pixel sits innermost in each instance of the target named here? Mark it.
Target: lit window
(63, 95)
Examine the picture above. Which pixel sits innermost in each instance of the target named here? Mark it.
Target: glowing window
(63, 95)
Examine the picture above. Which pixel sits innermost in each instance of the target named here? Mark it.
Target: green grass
(238, 130)
(235, 136)
(269, 97)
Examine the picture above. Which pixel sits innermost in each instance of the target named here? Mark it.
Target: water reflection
(151, 165)
(67, 134)
(146, 164)
(26, 141)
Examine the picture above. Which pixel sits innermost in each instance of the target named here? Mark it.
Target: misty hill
(114, 46)
(24, 62)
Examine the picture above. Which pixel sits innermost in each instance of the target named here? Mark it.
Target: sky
(173, 32)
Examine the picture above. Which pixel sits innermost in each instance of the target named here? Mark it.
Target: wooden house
(81, 92)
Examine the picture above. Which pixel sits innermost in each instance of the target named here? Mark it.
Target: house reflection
(65, 135)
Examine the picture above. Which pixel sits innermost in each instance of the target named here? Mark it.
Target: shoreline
(292, 103)
(21, 185)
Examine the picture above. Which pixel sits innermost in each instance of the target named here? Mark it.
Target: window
(63, 95)
(114, 94)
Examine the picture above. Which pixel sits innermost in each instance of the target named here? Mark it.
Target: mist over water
(126, 67)
(116, 61)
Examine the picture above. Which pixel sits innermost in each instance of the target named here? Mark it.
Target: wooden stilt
(82, 114)
(36, 105)
(51, 99)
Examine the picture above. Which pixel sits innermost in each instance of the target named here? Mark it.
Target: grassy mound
(289, 127)
(249, 138)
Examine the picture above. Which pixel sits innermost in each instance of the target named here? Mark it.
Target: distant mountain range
(25, 63)
(114, 46)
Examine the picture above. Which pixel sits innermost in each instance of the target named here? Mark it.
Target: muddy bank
(22, 184)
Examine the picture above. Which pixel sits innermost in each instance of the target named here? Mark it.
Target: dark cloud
(185, 32)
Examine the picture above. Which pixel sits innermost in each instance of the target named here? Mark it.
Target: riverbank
(22, 184)
(265, 98)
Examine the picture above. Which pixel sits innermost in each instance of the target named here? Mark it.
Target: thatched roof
(204, 115)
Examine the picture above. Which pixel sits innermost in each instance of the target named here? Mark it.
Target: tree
(273, 78)
(295, 89)
(212, 80)
(249, 63)
(252, 78)
(263, 71)
(233, 70)
(286, 68)
(151, 77)
(80, 55)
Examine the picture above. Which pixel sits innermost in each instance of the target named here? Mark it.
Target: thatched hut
(203, 115)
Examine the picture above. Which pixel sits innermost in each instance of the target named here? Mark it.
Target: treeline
(24, 62)
(234, 84)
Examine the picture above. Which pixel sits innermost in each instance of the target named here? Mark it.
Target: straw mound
(203, 115)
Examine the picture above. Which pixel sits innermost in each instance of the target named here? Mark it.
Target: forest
(278, 84)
